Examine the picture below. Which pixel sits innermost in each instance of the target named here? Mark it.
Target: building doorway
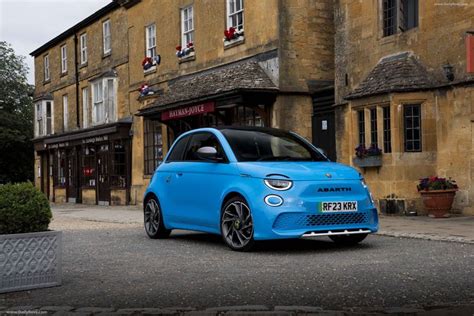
(103, 185)
(324, 123)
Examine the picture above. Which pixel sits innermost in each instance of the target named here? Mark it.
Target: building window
(150, 34)
(235, 14)
(118, 175)
(46, 68)
(361, 124)
(412, 127)
(61, 169)
(65, 113)
(373, 127)
(63, 59)
(44, 118)
(85, 107)
(153, 146)
(106, 37)
(187, 26)
(103, 95)
(399, 15)
(387, 136)
(83, 42)
(246, 116)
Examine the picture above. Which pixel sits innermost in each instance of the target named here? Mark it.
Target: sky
(28, 24)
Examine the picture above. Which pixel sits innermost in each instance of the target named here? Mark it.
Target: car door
(202, 183)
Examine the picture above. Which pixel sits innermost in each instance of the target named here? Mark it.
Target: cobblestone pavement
(111, 267)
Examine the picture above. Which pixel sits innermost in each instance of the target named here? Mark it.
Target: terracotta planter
(438, 203)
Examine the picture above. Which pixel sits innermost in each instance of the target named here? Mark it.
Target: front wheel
(153, 219)
(348, 240)
(237, 225)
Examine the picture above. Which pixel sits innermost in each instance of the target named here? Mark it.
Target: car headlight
(279, 185)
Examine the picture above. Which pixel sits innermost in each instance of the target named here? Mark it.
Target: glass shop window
(118, 177)
(88, 166)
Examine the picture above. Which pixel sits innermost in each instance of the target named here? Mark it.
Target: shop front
(90, 166)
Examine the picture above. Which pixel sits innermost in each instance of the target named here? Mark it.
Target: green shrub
(23, 209)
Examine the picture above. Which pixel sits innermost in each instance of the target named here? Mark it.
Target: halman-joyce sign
(188, 111)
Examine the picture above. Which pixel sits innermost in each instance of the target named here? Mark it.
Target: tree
(16, 118)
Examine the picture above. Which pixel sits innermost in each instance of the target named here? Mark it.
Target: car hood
(299, 171)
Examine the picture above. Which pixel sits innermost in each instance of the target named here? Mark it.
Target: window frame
(229, 14)
(387, 129)
(46, 69)
(150, 129)
(83, 48)
(184, 140)
(65, 102)
(361, 127)
(63, 59)
(150, 51)
(373, 127)
(404, 16)
(405, 128)
(184, 22)
(39, 122)
(106, 37)
(109, 103)
(85, 106)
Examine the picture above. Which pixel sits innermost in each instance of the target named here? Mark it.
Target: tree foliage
(16, 118)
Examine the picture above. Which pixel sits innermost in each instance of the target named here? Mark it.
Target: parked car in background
(249, 184)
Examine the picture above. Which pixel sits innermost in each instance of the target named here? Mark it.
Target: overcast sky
(28, 24)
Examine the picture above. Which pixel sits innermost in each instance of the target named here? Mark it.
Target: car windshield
(269, 145)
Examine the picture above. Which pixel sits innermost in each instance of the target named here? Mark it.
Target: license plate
(346, 206)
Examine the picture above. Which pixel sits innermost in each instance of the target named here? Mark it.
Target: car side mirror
(208, 153)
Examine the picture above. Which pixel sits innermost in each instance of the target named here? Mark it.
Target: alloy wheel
(237, 225)
(152, 217)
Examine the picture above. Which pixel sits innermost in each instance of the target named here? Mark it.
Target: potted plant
(30, 254)
(368, 157)
(438, 195)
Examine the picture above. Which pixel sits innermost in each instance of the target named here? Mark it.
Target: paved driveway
(109, 262)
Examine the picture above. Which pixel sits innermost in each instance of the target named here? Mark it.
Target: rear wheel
(237, 225)
(348, 239)
(153, 219)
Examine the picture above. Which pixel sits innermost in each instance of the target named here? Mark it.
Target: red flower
(231, 30)
(146, 60)
(190, 44)
(178, 47)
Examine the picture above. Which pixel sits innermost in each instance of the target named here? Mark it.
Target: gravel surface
(110, 264)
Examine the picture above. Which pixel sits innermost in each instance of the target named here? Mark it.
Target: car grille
(302, 220)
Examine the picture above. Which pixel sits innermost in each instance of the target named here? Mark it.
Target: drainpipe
(76, 69)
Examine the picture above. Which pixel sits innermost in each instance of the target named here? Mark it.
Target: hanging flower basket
(149, 62)
(145, 90)
(368, 157)
(186, 51)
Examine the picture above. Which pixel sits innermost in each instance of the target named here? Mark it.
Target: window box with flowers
(438, 195)
(368, 157)
(149, 63)
(186, 53)
(233, 36)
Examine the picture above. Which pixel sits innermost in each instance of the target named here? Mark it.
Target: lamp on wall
(448, 71)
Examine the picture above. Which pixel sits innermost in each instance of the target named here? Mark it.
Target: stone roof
(244, 75)
(397, 73)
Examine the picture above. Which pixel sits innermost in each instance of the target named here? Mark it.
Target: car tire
(348, 240)
(237, 225)
(153, 219)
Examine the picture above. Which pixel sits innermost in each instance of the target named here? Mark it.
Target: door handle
(179, 174)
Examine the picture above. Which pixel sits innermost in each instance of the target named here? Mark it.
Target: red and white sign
(188, 111)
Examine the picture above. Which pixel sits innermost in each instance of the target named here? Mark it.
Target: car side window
(178, 150)
(199, 140)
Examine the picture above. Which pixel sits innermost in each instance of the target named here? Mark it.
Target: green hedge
(23, 209)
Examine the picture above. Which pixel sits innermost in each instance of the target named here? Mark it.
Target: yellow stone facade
(447, 108)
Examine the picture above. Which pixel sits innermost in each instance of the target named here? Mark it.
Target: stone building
(405, 82)
(155, 69)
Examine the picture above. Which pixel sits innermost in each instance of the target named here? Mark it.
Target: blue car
(250, 183)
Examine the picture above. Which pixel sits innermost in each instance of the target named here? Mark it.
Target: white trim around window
(83, 48)
(150, 40)
(235, 14)
(65, 113)
(104, 101)
(46, 68)
(63, 59)
(44, 118)
(85, 107)
(187, 25)
(106, 37)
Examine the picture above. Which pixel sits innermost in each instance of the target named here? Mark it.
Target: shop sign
(58, 145)
(97, 139)
(188, 111)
